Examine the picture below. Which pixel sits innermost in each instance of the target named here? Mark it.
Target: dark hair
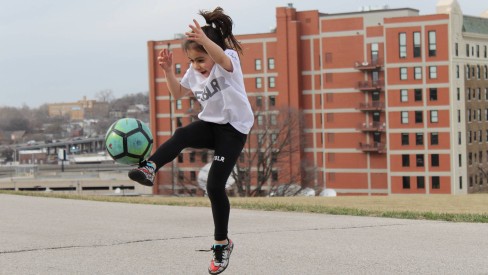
(218, 29)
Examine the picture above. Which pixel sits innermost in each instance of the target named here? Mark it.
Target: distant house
(17, 136)
(33, 156)
(137, 109)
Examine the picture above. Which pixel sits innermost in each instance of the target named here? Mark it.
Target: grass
(464, 208)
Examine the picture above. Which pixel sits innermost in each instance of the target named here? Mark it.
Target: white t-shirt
(222, 95)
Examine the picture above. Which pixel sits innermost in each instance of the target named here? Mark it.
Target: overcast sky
(59, 51)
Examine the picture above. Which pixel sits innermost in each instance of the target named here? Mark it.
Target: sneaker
(144, 174)
(221, 255)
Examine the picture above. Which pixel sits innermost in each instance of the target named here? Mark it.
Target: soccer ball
(129, 141)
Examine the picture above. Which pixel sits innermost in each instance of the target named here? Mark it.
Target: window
(419, 139)
(177, 68)
(404, 117)
(273, 120)
(260, 119)
(436, 182)
(467, 50)
(420, 182)
(434, 160)
(274, 137)
(433, 72)
(374, 52)
(404, 95)
(458, 93)
(181, 175)
(259, 101)
(375, 96)
(419, 160)
(486, 72)
(406, 160)
(416, 44)
(460, 160)
(459, 138)
(418, 117)
(486, 51)
(272, 82)
(272, 100)
(457, 72)
(259, 82)
(403, 73)
(405, 140)
(418, 94)
(274, 175)
(192, 156)
(459, 116)
(477, 50)
(432, 43)
(271, 63)
(478, 71)
(204, 156)
(468, 69)
(417, 73)
(434, 138)
(193, 175)
(460, 182)
(406, 182)
(180, 158)
(456, 49)
(433, 94)
(257, 64)
(402, 40)
(434, 116)
(179, 123)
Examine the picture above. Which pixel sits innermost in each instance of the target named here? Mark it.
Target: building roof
(475, 24)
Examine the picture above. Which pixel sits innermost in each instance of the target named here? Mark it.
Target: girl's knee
(215, 189)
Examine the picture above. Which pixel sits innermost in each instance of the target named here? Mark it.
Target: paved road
(58, 236)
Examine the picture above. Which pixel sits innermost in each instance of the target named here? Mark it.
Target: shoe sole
(139, 177)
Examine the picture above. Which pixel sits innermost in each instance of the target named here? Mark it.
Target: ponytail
(218, 28)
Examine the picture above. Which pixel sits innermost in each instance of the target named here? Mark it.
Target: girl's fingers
(196, 24)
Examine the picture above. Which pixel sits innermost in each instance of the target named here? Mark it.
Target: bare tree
(106, 95)
(275, 138)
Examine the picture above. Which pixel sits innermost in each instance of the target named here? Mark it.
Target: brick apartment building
(393, 102)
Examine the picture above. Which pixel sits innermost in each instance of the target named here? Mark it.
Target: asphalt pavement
(61, 236)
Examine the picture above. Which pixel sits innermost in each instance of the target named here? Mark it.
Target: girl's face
(200, 61)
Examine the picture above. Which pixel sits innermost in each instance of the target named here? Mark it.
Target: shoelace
(218, 252)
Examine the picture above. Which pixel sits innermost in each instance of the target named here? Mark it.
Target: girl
(216, 80)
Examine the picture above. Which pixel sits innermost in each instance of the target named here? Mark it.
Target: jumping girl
(215, 78)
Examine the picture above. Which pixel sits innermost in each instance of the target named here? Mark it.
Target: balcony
(372, 106)
(375, 147)
(374, 65)
(373, 85)
(375, 126)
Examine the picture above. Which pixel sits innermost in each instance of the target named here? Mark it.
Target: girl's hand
(165, 60)
(196, 34)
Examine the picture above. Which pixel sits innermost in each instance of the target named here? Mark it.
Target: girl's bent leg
(196, 135)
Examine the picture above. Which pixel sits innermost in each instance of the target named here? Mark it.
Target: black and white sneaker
(144, 174)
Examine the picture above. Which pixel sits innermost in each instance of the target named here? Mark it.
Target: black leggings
(227, 143)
